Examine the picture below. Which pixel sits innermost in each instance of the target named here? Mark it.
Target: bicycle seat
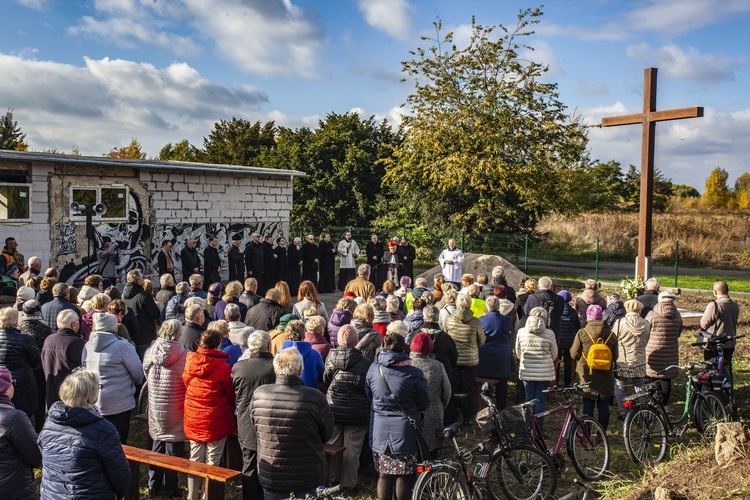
(448, 432)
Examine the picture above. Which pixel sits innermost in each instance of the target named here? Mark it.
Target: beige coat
(633, 333)
(361, 288)
(467, 332)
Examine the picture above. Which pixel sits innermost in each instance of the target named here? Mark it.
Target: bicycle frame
(570, 417)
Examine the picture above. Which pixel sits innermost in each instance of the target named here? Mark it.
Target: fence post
(526, 253)
(596, 265)
(676, 261)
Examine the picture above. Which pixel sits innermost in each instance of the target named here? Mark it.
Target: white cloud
(682, 16)
(389, 16)
(687, 64)
(33, 4)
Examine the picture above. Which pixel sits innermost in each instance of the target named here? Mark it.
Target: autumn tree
(132, 151)
(488, 145)
(180, 151)
(742, 191)
(11, 136)
(717, 194)
(238, 142)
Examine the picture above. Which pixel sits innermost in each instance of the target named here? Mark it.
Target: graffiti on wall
(66, 239)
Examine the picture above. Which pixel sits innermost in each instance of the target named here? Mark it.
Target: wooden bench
(215, 477)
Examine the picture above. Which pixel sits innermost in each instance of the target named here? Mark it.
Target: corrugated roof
(146, 164)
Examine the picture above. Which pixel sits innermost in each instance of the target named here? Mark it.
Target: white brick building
(147, 202)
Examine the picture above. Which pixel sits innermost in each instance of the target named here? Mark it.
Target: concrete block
(189, 205)
(179, 186)
(167, 195)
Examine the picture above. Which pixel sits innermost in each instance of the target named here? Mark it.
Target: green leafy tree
(662, 190)
(11, 136)
(685, 191)
(488, 145)
(717, 194)
(599, 187)
(238, 142)
(131, 151)
(180, 151)
(742, 183)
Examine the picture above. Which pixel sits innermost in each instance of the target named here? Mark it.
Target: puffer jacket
(588, 297)
(82, 456)
(345, 373)
(209, 415)
(390, 428)
(319, 343)
(20, 355)
(296, 423)
(413, 321)
(662, 349)
(51, 309)
(19, 453)
(632, 333)
(570, 323)
(494, 355)
(145, 310)
(370, 340)
(119, 369)
(312, 362)
(85, 295)
(164, 364)
(536, 349)
(601, 382)
(468, 334)
(339, 318)
(249, 373)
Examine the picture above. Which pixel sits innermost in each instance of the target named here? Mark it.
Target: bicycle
(647, 425)
(512, 469)
(322, 493)
(717, 377)
(584, 437)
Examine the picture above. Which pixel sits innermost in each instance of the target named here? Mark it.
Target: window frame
(98, 190)
(30, 205)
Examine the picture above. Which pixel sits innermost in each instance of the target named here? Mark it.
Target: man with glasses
(166, 263)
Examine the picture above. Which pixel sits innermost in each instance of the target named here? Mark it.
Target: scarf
(170, 263)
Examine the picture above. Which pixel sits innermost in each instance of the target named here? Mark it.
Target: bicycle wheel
(588, 448)
(521, 473)
(645, 435)
(442, 481)
(708, 412)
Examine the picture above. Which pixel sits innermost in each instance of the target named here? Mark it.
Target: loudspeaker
(100, 209)
(77, 207)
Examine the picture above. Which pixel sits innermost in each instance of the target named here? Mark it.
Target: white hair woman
(81, 451)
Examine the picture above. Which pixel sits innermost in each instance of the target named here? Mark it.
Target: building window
(15, 202)
(115, 198)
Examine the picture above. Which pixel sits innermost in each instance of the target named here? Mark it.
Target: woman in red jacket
(209, 398)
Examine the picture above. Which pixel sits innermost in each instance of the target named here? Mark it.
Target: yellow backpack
(599, 356)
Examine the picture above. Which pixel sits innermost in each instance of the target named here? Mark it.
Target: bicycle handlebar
(684, 368)
(573, 387)
(324, 492)
(716, 340)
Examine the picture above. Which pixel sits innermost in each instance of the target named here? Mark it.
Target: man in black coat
(236, 260)
(211, 263)
(248, 374)
(281, 259)
(549, 301)
(374, 251)
(145, 309)
(327, 255)
(195, 317)
(250, 296)
(61, 354)
(266, 313)
(50, 310)
(165, 260)
(294, 261)
(191, 263)
(269, 264)
(254, 259)
(408, 255)
(310, 260)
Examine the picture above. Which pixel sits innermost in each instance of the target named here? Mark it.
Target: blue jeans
(602, 405)
(534, 391)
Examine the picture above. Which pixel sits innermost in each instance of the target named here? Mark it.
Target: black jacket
(161, 259)
(249, 298)
(236, 264)
(190, 261)
(292, 423)
(254, 259)
(345, 373)
(51, 309)
(211, 265)
(247, 376)
(19, 453)
(281, 262)
(538, 300)
(410, 253)
(191, 335)
(264, 315)
(269, 265)
(444, 349)
(146, 312)
(20, 355)
(61, 354)
(308, 254)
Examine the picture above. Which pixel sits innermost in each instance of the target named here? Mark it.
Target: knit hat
(633, 306)
(12, 269)
(405, 281)
(667, 297)
(565, 295)
(506, 306)
(215, 289)
(285, 319)
(105, 322)
(500, 292)
(26, 293)
(422, 344)
(31, 307)
(392, 244)
(349, 295)
(593, 312)
(6, 380)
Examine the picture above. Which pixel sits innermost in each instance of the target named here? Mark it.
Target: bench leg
(214, 490)
(135, 481)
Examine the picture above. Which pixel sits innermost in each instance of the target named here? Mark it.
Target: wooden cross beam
(648, 119)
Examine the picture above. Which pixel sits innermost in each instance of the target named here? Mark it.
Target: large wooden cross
(648, 119)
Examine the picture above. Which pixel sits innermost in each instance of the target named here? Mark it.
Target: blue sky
(92, 74)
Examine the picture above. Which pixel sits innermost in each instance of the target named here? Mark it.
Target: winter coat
(87, 324)
(444, 347)
(175, 308)
(413, 321)
(82, 456)
(164, 364)
(236, 261)
(292, 423)
(536, 349)
(721, 318)
(540, 299)
(649, 299)
(390, 428)
(36, 328)
(278, 337)
(440, 396)
(312, 362)
(191, 336)
(19, 453)
(299, 308)
(588, 297)
(370, 340)
(163, 296)
(662, 349)
(119, 369)
(361, 288)
(211, 265)
(239, 332)
(632, 333)
(468, 334)
(494, 355)
(381, 321)
(51, 309)
(85, 295)
(445, 313)
(478, 306)
(319, 343)
(189, 260)
(222, 304)
(61, 354)
(209, 415)
(264, 315)
(601, 382)
(247, 375)
(613, 312)
(254, 259)
(570, 323)
(145, 310)
(249, 299)
(20, 355)
(345, 374)
(339, 318)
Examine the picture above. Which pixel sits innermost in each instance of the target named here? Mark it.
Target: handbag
(423, 449)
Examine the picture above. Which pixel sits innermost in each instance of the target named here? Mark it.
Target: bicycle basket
(513, 424)
(484, 420)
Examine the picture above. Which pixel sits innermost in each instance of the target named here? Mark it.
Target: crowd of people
(373, 375)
